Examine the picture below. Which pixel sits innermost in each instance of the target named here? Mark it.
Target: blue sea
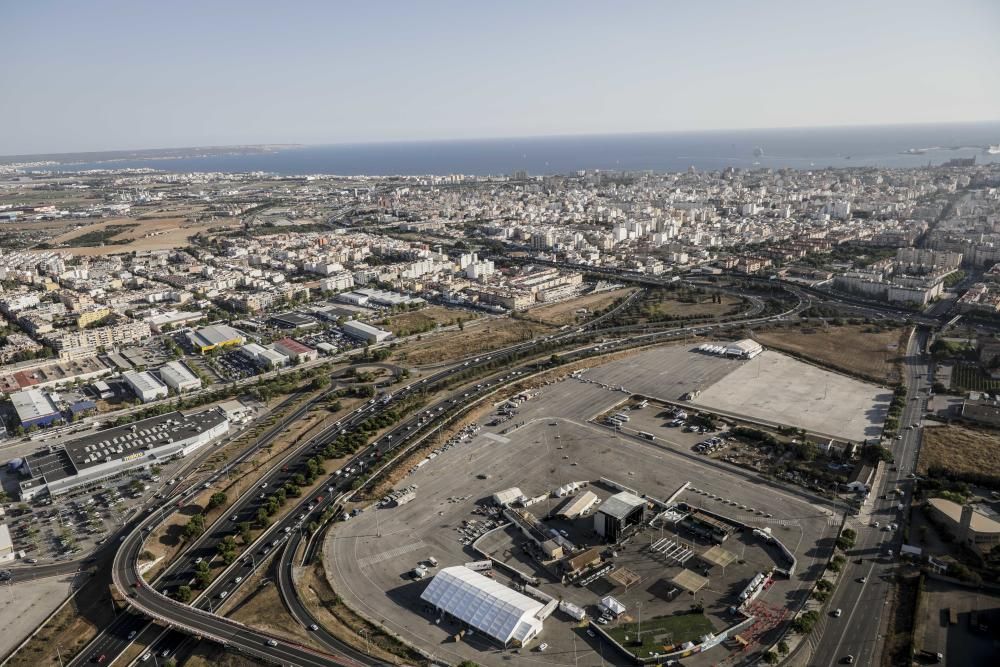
(807, 148)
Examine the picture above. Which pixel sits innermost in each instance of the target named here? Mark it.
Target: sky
(110, 75)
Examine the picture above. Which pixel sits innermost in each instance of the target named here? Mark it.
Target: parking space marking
(497, 438)
(375, 559)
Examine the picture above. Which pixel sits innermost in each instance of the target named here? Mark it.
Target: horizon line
(510, 137)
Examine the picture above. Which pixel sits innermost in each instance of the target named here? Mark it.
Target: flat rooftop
(123, 441)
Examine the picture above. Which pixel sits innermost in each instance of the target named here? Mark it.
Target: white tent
(612, 606)
(484, 604)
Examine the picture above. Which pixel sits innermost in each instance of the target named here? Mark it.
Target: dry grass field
(564, 312)
(481, 336)
(851, 349)
(150, 234)
(960, 449)
(424, 320)
(704, 308)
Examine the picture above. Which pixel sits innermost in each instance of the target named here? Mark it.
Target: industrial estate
(705, 418)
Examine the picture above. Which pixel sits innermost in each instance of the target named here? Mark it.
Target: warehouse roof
(217, 334)
(507, 496)
(143, 381)
(574, 506)
(123, 441)
(621, 504)
(32, 404)
(484, 604)
(364, 328)
(980, 523)
(177, 373)
(290, 345)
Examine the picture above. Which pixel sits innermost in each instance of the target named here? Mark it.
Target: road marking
(375, 559)
(497, 438)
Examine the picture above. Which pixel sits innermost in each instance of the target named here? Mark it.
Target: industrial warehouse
(80, 463)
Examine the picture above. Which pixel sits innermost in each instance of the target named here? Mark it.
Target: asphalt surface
(113, 641)
(859, 632)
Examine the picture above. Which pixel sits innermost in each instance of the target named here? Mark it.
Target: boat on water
(992, 149)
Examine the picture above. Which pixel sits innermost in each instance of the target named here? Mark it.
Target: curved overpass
(237, 636)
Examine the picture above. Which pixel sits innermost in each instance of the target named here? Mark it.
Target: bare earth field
(564, 312)
(425, 320)
(960, 449)
(676, 308)
(152, 234)
(850, 349)
(481, 336)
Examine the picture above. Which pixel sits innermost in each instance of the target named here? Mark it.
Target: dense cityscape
(451, 334)
(218, 380)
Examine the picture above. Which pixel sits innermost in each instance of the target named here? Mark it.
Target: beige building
(969, 526)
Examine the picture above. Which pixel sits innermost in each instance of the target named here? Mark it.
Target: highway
(864, 604)
(117, 637)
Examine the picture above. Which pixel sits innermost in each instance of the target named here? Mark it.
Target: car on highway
(314, 627)
(837, 613)
(848, 660)
(271, 642)
(131, 635)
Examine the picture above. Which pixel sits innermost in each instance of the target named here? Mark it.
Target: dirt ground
(329, 612)
(208, 654)
(71, 629)
(265, 611)
(960, 449)
(150, 234)
(425, 319)
(481, 336)
(706, 308)
(564, 312)
(851, 349)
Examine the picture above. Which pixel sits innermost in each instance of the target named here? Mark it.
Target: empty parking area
(778, 389)
(666, 373)
(971, 640)
(370, 558)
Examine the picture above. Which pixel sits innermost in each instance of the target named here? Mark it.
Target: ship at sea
(992, 149)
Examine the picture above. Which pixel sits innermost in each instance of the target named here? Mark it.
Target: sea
(804, 148)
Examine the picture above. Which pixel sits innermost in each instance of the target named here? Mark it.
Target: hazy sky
(135, 74)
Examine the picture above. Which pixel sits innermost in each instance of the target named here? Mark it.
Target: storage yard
(381, 565)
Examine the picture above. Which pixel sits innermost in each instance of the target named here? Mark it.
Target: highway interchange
(857, 634)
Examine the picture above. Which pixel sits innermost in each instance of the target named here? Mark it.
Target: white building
(264, 356)
(486, 605)
(145, 385)
(86, 461)
(179, 377)
(365, 332)
(744, 349)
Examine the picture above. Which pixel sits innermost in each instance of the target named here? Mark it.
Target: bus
(647, 436)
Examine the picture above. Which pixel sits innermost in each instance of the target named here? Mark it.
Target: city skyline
(231, 74)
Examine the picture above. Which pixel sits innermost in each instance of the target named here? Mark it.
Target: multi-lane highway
(863, 592)
(130, 625)
(117, 638)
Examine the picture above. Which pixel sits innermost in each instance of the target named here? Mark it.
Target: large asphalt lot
(369, 560)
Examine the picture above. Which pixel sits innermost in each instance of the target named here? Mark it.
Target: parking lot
(964, 642)
(772, 387)
(370, 559)
(68, 527)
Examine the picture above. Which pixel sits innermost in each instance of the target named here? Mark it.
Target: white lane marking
(375, 559)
